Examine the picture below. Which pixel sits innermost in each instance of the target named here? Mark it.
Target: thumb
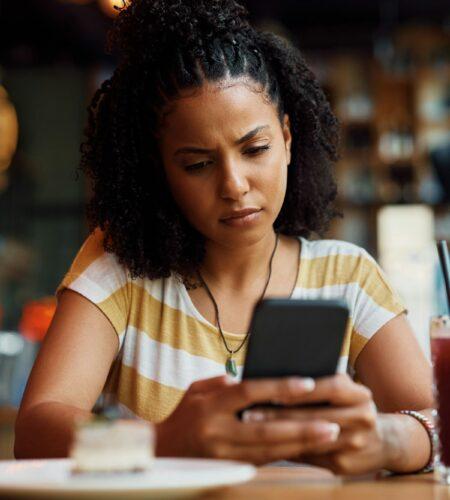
(210, 384)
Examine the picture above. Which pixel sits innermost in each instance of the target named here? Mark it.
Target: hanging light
(112, 7)
(9, 130)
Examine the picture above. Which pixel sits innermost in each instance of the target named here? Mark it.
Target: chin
(236, 238)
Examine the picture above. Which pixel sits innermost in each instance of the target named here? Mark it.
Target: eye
(257, 150)
(197, 166)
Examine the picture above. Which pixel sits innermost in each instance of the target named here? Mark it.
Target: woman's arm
(67, 377)
(394, 367)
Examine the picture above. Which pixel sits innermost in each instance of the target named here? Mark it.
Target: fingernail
(306, 384)
(333, 431)
(330, 431)
(309, 384)
(253, 416)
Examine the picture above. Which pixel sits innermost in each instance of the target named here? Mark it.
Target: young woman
(211, 151)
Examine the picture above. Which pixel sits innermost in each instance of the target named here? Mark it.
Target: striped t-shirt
(166, 344)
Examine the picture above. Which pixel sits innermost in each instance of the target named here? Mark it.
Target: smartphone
(295, 337)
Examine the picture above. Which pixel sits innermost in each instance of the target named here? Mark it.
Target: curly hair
(167, 46)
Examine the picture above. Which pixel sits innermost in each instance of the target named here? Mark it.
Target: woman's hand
(363, 444)
(205, 424)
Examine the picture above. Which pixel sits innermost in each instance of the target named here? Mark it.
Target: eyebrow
(244, 138)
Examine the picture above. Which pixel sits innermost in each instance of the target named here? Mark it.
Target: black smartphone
(295, 337)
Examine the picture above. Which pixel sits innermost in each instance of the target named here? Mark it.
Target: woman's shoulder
(339, 262)
(90, 251)
(312, 249)
(336, 268)
(99, 276)
(92, 255)
(95, 269)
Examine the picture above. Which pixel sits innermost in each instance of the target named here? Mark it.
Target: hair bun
(144, 29)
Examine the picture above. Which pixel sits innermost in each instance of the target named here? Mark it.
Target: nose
(233, 183)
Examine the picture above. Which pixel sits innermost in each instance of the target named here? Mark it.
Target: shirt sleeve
(98, 276)
(374, 304)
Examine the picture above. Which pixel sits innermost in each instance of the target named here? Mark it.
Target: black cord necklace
(230, 364)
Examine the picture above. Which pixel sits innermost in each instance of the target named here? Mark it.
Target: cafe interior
(384, 66)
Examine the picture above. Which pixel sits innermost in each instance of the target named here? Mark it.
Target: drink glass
(440, 352)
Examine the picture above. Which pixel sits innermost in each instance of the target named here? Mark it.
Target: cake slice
(103, 445)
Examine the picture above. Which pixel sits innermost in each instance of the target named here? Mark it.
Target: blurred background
(384, 65)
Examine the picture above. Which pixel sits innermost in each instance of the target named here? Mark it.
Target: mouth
(246, 218)
(238, 214)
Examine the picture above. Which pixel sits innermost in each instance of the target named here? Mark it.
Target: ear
(287, 137)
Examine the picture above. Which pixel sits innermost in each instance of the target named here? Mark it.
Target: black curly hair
(167, 46)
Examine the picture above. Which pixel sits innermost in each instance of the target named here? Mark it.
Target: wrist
(407, 445)
(393, 443)
(427, 424)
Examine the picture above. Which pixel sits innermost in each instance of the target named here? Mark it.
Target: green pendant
(230, 367)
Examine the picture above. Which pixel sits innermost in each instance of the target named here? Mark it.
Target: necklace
(230, 364)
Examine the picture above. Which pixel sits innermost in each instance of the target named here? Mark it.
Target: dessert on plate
(117, 445)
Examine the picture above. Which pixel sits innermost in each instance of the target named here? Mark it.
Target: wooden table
(308, 483)
(298, 482)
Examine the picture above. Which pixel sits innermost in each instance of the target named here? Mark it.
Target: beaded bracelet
(431, 431)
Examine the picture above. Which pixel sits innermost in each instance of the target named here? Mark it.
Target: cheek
(276, 180)
(190, 196)
(183, 193)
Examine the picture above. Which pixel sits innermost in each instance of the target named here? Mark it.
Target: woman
(211, 152)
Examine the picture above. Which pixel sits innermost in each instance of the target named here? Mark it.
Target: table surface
(308, 483)
(311, 483)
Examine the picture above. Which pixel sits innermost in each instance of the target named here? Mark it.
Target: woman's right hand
(205, 424)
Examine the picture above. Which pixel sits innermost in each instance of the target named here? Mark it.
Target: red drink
(440, 349)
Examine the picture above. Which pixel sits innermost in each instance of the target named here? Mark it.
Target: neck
(238, 269)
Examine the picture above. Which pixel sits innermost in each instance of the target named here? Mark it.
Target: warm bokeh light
(9, 130)
(108, 6)
(36, 318)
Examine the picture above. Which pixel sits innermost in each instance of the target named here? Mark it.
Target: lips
(240, 213)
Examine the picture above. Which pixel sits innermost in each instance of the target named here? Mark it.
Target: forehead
(230, 107)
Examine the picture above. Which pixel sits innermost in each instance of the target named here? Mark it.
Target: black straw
(445, 265)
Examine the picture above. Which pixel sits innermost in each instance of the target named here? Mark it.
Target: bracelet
(431, 431)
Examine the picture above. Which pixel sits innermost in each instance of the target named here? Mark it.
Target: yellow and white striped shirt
(165, 342)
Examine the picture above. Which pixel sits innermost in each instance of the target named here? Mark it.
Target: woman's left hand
(361, 446)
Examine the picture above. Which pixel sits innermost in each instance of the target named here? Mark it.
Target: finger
(348, 441)
(210, 384)
(286, 390)
(324, 448)
(259, 454)
(338, 390)
(328, 447)
(278, 432)
(361, 416)
(340, 463)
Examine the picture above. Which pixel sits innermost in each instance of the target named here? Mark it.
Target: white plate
(169, 478)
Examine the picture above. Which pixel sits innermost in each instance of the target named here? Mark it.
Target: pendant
(230, 367)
